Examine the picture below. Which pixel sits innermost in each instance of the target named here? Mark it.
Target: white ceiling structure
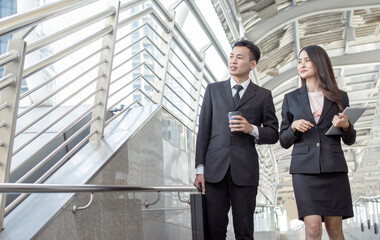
(350, 32)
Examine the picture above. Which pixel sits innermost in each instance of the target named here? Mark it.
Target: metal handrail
(176, 107)
(172, 39)
(147, 96)
(27, 188)
(70, 30)
(58, 119)
(125, 74)
(129, 46)
(34, 17)
(131, 4)
(62, 87)
(163, 10)
(187, 91)
(367, 199)
(60, 132)
(137, 29)
(135, 16)
(157, 34)
(181, 73)
(143, 13)
(60, 147)
(154, 73)
(183, 63)
(20, 198)
(370, 218)
(66, 156)
(76, 188)
(186, 53)
(55, 58)
(61, 73)
(153, 57)
(122, 87)
(155, 45)
(177, 94)
(126, 108)
(149, 83)
(126, 96)
(7, 80)
(3, 106)
(8, 57)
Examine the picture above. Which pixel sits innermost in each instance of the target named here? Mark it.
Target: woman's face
(305, 67)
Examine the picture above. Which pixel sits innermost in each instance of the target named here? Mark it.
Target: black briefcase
(198, 216)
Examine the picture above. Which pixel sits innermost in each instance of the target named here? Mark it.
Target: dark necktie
(237, 95)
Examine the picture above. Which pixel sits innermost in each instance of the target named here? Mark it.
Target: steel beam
(368, 57)
(208, 30)
(264, 28)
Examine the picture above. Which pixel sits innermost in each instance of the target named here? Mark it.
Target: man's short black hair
(253, 49)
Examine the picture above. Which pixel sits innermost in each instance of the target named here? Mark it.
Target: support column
(105, 70)
(166, 48)
(9, 98)
(199, 75)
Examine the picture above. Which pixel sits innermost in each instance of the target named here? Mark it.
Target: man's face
(239, 63)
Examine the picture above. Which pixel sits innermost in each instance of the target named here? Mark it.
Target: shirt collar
(244, 84)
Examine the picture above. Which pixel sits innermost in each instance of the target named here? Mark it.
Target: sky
(199, 39)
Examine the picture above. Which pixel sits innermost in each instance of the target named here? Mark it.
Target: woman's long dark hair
(324, 72)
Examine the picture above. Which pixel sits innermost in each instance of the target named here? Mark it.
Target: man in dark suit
(226, 159)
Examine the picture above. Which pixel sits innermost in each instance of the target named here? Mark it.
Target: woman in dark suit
(318, 166)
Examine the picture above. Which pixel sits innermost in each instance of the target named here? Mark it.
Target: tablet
(353, 114)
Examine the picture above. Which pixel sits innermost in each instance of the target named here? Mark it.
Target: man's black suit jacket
(313, 151)
(218, 148)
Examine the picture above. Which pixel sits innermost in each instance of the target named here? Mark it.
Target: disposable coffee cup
(231, 114)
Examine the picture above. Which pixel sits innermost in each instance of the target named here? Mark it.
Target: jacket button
(232, 135)
(318, 144)
(232, 147)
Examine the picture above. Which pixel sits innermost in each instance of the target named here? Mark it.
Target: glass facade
(138, 45)
(145, 55)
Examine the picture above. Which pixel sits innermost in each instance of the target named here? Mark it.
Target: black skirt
(325, 194)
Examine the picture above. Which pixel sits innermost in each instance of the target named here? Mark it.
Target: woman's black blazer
(313, 151)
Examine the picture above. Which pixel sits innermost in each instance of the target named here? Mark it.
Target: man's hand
(200, 179)
(240, 124)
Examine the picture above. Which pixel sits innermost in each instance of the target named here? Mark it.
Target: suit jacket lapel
(303, 99)
(249, 93)
(327, 104)
(227, 93)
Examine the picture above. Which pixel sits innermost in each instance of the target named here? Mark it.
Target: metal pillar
(8, 115)
(199, 75)
(105, 70)
(158, 97)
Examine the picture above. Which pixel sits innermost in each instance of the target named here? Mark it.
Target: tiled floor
(350, 234)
